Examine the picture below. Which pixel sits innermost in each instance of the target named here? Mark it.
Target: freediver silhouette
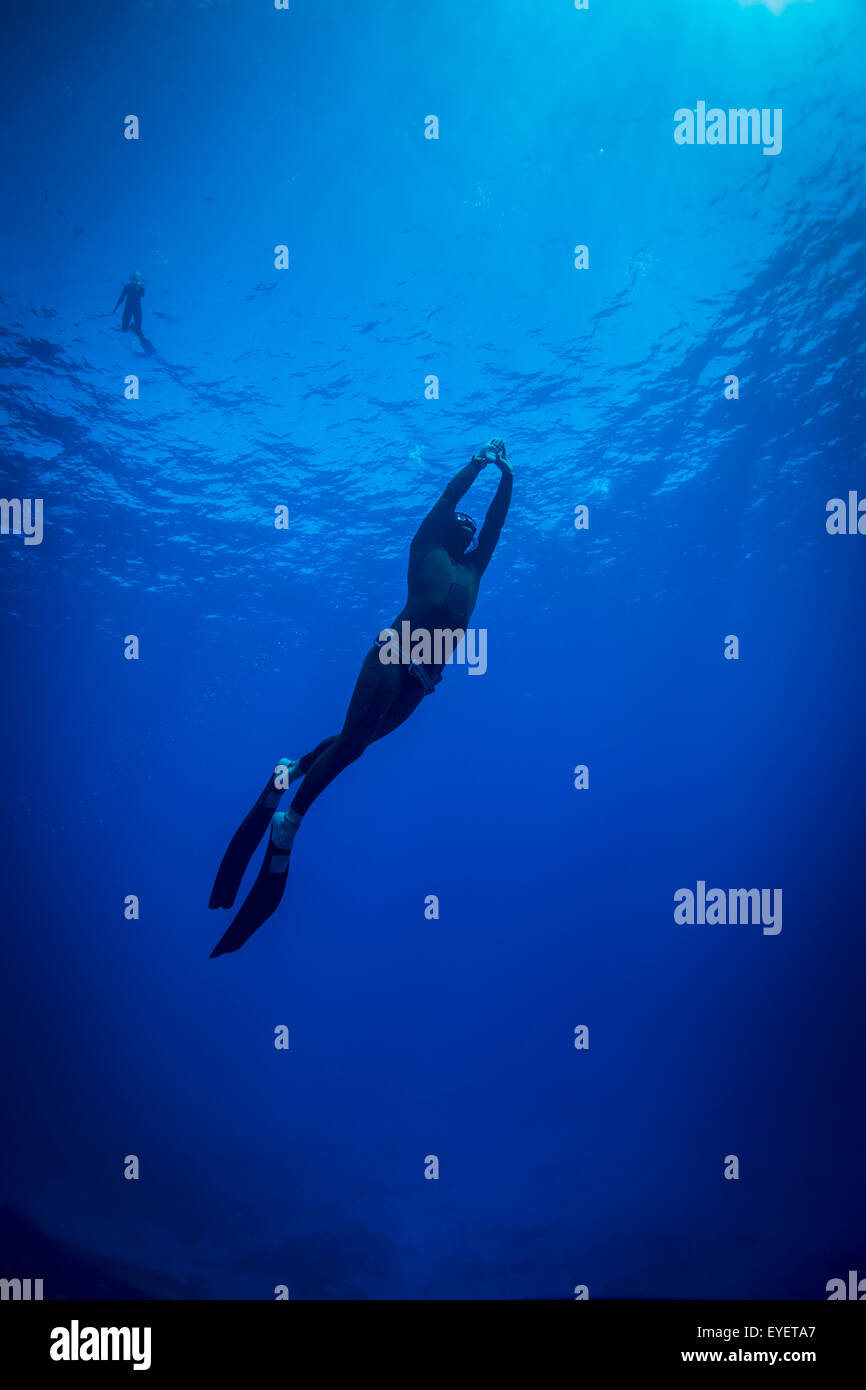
(446, 563)
(133, 293)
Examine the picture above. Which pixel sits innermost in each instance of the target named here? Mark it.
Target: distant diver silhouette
(446, 563)
(132, 293)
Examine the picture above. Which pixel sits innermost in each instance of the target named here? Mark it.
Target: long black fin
(243, 846)
(260, 903)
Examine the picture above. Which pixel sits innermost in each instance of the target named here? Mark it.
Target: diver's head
(461, 534)
(136, 277)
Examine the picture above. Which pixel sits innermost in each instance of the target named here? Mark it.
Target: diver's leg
(382, 700)
(406, 703)
(248, 834)
(376, 689)
(136, 319)
(255, 823)
(306, 762)
(127, 312)
(384, 697)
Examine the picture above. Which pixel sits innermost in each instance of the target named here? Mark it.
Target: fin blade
(260, 903)
(243, 846)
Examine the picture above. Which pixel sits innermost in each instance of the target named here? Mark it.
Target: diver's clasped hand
(493, 452)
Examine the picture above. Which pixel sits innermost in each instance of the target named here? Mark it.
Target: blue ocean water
(454, 257)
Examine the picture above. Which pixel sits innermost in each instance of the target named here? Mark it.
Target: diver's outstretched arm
(440, 514)
(496, 513)
(120, 299)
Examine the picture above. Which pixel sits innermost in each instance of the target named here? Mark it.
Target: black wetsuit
(132, 293)
(443, 587)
